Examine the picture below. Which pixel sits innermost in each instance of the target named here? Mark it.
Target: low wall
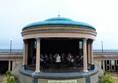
(27, 76)
(25, 79)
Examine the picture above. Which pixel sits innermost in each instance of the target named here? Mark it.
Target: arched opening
(67, 51)
(56, 53)
(3, 68)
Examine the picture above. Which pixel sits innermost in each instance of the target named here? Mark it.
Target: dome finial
(58, 15)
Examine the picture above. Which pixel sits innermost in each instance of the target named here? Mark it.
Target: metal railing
(106, 51)
(94, 51)
(13, 51)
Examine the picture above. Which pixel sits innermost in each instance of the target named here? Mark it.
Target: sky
(102, 14)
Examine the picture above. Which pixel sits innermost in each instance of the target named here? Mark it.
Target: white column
(37, 55)
(99, 62)
(9, 67)
(85, 55)
(13, 64)
(24, 53)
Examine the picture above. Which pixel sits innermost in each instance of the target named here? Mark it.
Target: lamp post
(102, 45)
(10, 46)
(10, 50)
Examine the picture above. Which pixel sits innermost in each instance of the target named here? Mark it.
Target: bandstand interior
(70, 51)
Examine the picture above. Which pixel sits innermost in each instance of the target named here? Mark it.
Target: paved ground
(1, 77)
(115, 76)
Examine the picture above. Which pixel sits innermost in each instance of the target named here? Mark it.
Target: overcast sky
(102, 14)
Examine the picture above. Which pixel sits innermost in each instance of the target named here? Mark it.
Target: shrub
(107, 78)
(9, 78)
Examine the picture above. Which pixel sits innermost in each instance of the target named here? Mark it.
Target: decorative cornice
(69, 29)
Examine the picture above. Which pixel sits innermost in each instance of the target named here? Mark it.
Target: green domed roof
(58, 21)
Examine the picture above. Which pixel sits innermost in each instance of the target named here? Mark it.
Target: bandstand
(58, 50)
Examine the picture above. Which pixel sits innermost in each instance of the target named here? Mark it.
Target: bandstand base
(27, 76)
